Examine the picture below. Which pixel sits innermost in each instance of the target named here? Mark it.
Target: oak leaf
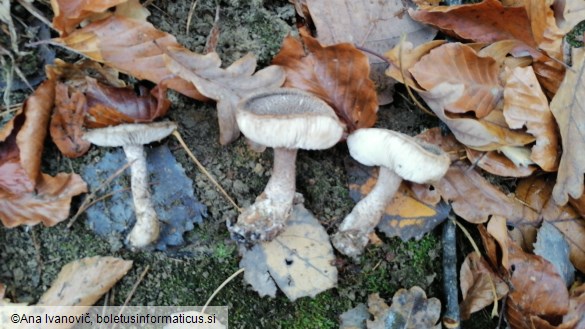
(227, 86)
(569, 111)
(338, 74)
(68, 14)
(526, 105)
(132, 46)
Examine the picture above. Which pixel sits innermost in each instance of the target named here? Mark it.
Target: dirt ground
(31, 257)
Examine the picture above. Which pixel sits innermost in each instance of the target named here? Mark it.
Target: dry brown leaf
(83, 282)
(131, 46)
(476, 200)
(536, 194)
(497, 228)
(67, 122)
(299, 260)
(410, 309)
(478, 281)
(525, 105)
(337, 74)
(536, 289)
(403, 57)
(491, 133)
(569, 111)
(227, 86)
(447, 142)
(458, 64)
(68, 14)
(498, 164)
(374, 25)
(569, 13)
(487, 22)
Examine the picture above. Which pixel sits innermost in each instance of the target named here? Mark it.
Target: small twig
(35, 12)
(132, 291)
(451, 318)
(204, 171)
(190, 15)
(410, 93)
(373, 53)
(223, 284)
(213, 37)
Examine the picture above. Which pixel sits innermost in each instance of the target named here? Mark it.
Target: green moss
(575, 37)
(320, 312)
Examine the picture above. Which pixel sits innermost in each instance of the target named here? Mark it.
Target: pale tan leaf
(403, 57)
(298, 260)
(374, 25)
(69, 13)
(568, 108)
(458, 64)
(499, 231)
(569, 13)
(498, 164)
(525, 105)
(83, 282)
(226, 86)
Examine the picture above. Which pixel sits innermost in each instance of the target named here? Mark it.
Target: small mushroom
(399, 157)
(132, 137)
(285, 119)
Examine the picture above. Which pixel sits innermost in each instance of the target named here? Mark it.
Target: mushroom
(399, 157)
(285, 119)
(132, 137)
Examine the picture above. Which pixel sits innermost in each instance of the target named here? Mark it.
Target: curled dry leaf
(298, 260)
(374, 25)
(458, 64)
(478, 281)
(536, 194)
(83, 282)
(131, 46)
(227, 86)
(68, 14)
(476, 200)
(569, 112)
(497, 228)
(338, 74)
(526, 105)
(498, 164)
(28, 197)
(536, 289)
(569, 13)
(67, 122)
(410, 309)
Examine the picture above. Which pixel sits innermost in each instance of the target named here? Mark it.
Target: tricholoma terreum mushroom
(285, 119)
(399, 157)
(132, 137)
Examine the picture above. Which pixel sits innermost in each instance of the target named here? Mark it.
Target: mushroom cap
(130, 134)
(289, 118)
(408, 157)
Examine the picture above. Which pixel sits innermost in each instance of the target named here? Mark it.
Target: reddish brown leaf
(536, 289)
(131, 46)
(458, 64)
(338, 74)
(498, 164)
(68, 14)
(478, 281)
(476, 200)
(537, 194)
(67, 122)
(485, 22)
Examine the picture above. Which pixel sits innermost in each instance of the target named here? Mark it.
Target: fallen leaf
(536, 290)
(405, 216)
(298, 260)
(569, 13)
(478, 282)
(476, 200)
(552, 246)
(226, 86)
(536, 194)
(497, 228)
(525, 105)
(67, 122)
(68, 14)
(576, 308)
(458, 64)
(134, 47)
(354, 318)
(83, 282)
(498, 164)
(410, 309)
(337, 74)
(567, 108)
(27, 196)
(376, 26)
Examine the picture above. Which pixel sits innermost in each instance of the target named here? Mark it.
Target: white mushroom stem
(146, 230)
(365, 216)
(267, 216)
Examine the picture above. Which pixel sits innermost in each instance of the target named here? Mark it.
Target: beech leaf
(568, 108)
(227, 86)
(498, 164)
(68, 14)
(67, 122)
(338, 74)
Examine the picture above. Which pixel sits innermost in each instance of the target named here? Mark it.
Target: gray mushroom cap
(411, 159)
(289, 118)
(130, 134)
